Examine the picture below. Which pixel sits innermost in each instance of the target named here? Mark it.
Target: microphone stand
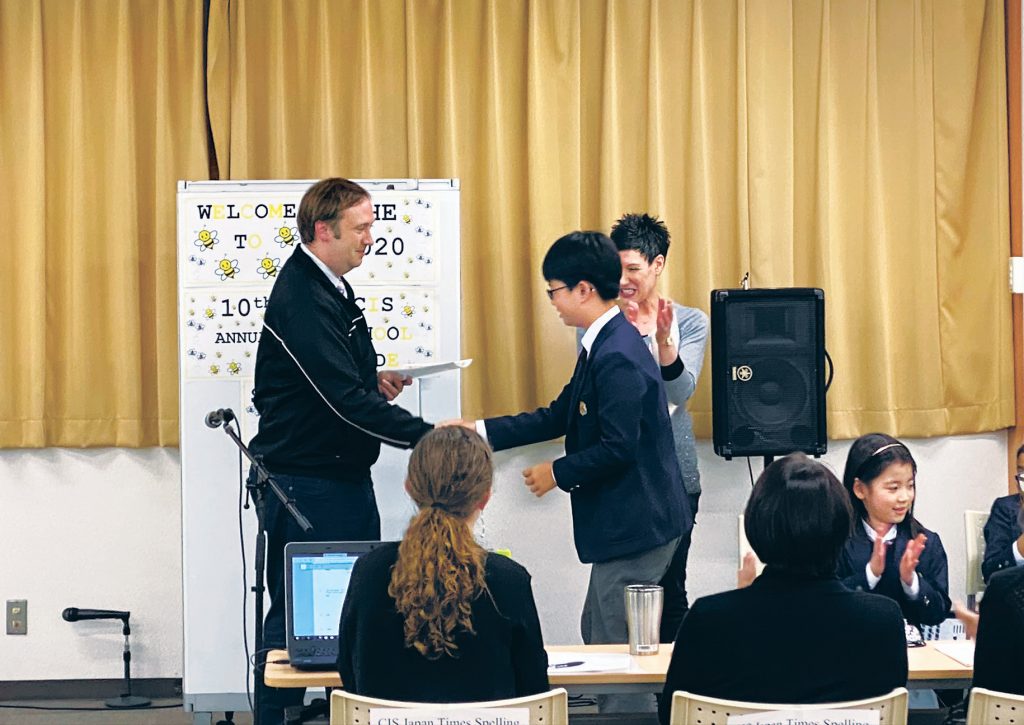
(257, 490)
(127, 699)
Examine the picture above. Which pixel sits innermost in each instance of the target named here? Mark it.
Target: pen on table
(567, 664)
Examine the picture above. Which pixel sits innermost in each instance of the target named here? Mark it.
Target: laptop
(316, 576)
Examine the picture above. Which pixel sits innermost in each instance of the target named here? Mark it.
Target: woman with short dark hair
(796, 635)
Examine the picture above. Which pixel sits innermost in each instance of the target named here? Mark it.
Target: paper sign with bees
(246, 240)
(223, 328)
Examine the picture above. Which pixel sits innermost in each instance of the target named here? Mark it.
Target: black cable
(91, 709)
(831, 371)
(249, 665)
(750, 470)
(255, 655)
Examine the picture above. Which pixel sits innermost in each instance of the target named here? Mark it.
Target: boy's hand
(540, 478)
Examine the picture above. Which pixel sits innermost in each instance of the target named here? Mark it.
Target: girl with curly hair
(436, 618)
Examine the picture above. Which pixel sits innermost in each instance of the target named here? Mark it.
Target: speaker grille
(775, 393)
(767, 360)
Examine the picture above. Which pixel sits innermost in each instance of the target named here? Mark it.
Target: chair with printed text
(988, 706)
(545, 708)
(974, 528)
(689, 709)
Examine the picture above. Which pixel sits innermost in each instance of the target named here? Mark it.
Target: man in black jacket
(323, 406)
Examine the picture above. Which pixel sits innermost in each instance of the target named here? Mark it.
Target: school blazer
(1001, 534)
(620, 465)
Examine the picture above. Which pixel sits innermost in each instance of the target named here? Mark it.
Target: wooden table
(929, 668)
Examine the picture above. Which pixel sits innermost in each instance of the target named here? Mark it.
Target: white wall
(101, 529)
(98, 529)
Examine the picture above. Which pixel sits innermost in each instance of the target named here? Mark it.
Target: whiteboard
(233, 237)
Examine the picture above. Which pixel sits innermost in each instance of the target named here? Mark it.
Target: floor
(162, 712)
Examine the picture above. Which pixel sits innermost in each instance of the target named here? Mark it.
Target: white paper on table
(566, 662)
(422, 371)
(962, 650)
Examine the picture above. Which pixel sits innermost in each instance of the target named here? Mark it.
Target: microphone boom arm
(263, 478)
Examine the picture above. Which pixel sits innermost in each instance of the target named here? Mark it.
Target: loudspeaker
(768, 371)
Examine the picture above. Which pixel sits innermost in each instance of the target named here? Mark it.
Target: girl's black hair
(869, 456)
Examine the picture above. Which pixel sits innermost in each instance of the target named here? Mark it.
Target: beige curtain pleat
(102, 112)
(858, 147)
(23, 338)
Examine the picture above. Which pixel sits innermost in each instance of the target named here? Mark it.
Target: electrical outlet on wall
(17, 616)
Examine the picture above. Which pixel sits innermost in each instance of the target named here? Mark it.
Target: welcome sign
(245, 240)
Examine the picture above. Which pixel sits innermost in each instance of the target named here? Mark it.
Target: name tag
(442, 715)
(807, 717)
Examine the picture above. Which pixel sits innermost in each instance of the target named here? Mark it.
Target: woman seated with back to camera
(436, 618)
(796, 635)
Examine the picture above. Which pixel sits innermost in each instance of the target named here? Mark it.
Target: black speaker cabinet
(768, 371)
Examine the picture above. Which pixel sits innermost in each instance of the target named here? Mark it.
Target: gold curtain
(859, 147)
(102, 109)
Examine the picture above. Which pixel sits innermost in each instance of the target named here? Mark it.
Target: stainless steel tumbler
(643, 617)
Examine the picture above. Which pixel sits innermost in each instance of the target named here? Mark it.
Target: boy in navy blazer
(629, 506)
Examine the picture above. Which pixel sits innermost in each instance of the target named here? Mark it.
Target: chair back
(988, 706)
(546, 708)
(744, 547)
(689, 709)
(974, 529)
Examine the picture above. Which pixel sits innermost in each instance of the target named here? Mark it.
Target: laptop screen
(319, 584)
(317, 575)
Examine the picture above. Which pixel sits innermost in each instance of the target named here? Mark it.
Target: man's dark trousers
(339, 510)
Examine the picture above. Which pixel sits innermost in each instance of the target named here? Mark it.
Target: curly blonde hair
(440, 567)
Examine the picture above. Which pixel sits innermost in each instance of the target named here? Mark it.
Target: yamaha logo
(743, 373)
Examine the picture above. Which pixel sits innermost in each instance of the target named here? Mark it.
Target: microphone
(74, 614)
(219, 417)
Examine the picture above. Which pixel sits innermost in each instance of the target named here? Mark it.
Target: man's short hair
(798, 517)
(645, 233)
(326, 201)
(589, 256)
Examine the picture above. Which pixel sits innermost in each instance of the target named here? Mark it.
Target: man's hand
(540, 478)
(467, 424)
(911, 555)
(390, 383)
